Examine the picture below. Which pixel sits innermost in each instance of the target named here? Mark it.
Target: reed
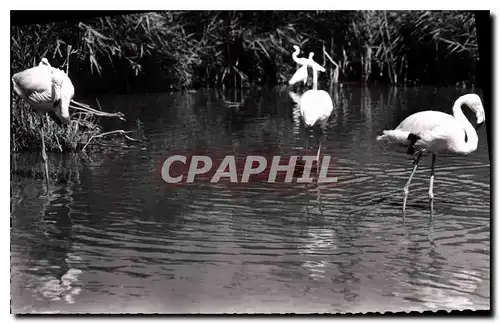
(191, 49)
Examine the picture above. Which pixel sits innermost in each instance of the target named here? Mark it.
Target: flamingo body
(315, 107)
(46, 89)
(438, 132)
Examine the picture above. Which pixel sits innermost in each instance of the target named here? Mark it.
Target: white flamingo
(46, 89)
(437, 132)
(315, 105)
(301, 74)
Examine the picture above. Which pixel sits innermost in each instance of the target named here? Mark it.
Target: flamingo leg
(44, 156)
(306, 132)
(317, 155)
(321, 134)
(407, 186)
(431, 184)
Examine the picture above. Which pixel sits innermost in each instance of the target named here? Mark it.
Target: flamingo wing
(299, 75)
(425, 121)
(36, 79)
(34, 85)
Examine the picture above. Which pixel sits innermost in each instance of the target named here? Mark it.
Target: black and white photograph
(250, 161)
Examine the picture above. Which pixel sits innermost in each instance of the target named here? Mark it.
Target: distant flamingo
(437, 132)
(301, 74)
(315, 105)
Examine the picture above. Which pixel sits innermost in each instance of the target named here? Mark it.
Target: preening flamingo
(437, 132)
(46, 89)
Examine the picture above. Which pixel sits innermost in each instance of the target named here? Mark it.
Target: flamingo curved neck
(295, 56)
(469, 145)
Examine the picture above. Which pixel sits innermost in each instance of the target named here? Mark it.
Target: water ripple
(120, 239)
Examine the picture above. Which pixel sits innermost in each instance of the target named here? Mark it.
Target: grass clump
(81, 133)
(26, 125)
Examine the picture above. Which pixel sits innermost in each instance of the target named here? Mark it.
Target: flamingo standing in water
(437, 132)
(47, 90)
(315, 105)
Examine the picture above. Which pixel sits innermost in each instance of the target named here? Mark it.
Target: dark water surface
(116, 238)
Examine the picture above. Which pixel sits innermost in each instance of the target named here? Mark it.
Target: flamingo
(315, 105)
(301, 74)
(437, 132)
(47, 90)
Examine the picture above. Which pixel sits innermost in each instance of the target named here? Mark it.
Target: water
(116, 238)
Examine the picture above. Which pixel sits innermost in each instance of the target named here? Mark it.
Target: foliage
(26, 126)
(402, 43)
(240, 48)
